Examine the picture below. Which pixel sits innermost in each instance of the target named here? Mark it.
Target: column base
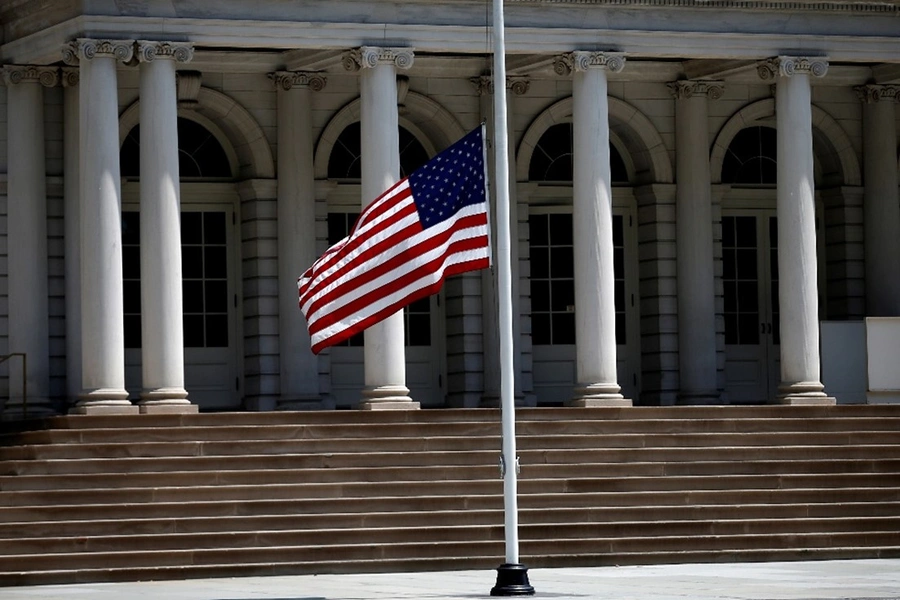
(104, 401)
(166, 401)
(804, 393)
(598, 395)
(699, 398)
(387, 397)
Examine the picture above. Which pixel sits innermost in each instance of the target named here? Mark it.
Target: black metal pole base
(512, 580)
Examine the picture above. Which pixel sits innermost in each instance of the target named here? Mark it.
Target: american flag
(426, 227)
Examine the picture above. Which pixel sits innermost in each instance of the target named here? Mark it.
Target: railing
(6, 357)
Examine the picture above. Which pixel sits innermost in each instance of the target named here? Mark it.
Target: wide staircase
(93, 498)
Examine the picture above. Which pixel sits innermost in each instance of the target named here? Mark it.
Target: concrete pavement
(816, 580)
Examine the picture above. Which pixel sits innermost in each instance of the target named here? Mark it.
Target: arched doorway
(210, 266)
(424, 319)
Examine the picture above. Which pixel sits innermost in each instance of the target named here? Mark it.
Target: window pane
(563, 328)
(192, 262)
(620, 329)
(193, 296)
(563, 295)
(216, 331)
(748, 297)
(216, 296)
(540, 328)
(540, 263)
(537, 225)
(193, 331)
(132, 331)
(131, 227)
(731, 329)
(131, 262)
(561, 262)
(216, 263)
(132, 296)
(214, 228)
(561, 230)
(419, 330)
(746, 264)
(540, 296)
(191, 228)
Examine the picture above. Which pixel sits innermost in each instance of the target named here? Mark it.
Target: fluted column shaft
(102, 316)
(296, 232)
(798, 302)
(162, 313)
(694, 243)
(595, 310)
(72, 211)
(29, 328)
(385, 354)
(881, 208)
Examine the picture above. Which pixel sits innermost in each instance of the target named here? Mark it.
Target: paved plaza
(818, 580)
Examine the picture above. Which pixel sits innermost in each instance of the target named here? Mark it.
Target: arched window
(751, 157)
(552, 158)
(344, 160)
(200, 155)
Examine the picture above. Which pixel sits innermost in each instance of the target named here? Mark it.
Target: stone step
(180, 523)
(447, 429)
(423, 564)
(737, 456)
(443, 443)
(692, 413)
(584, 485)
(436, 472)
(363, 519)
(437, 549)
(326, 538)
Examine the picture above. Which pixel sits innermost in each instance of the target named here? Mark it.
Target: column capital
(368, 57)
(287, 80)
(517, 84)
(580, 60)
(70, 76)
(46, 76)
(787, 66)
(88, 49)
(689, 89)
(872, 93)
(148, 51)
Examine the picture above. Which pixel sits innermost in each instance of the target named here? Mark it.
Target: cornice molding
(689, 89)
(870, 94)
(369, 57)
(287, 80)
(15, 74)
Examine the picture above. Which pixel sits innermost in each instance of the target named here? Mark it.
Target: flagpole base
(512, 580)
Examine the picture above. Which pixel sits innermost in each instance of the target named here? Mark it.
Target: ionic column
(798, 302)
(881, 208)
(103, 338)
(385, 355)
(29, 325)
(72, 212)
(516, 86)
(595, 311)
(296, 233)
(162, 313)
(694, 243)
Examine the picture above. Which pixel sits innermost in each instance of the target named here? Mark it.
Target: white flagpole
(512, 577)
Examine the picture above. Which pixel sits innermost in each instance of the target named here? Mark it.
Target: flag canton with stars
(450, 181)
